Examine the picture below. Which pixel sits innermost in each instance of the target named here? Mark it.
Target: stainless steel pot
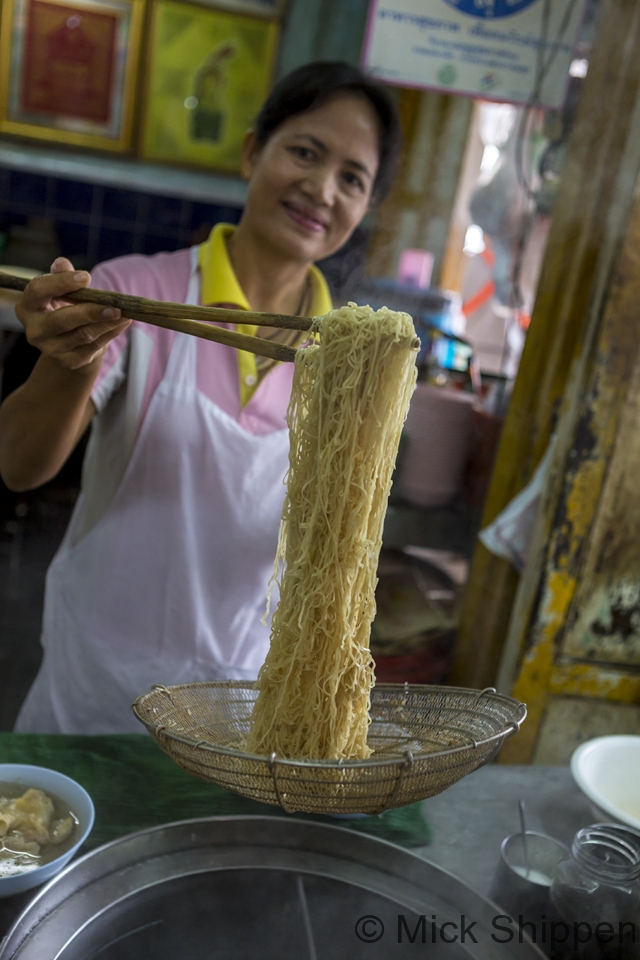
(257, 888)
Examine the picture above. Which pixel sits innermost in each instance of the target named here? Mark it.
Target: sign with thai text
(516, 51)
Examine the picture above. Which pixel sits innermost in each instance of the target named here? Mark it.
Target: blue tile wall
(74, 240)
(30, 190)
(95, 223)
(73, 197)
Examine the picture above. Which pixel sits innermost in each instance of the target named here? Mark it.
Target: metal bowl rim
(357, 838)
(161, 731)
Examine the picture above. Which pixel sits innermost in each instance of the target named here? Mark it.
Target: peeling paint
(586, 439)
(583, 636)
(604, 621)
(622, 614)
(606, 625)
(582, 679)
(556, 600)
(532, 688)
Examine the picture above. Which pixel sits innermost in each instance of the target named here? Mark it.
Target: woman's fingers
(103, 341)
(75, 353)
(51, 286)
(66, 332)
(62, 265)
(54, 323)
(89, 333)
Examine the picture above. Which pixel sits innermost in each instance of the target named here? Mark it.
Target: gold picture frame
(208, 71)
(68, 70)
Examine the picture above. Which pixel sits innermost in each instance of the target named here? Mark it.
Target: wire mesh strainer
(424, 739)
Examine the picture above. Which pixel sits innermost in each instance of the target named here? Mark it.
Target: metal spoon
(523, 827)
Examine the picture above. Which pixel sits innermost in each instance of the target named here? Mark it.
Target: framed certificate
(68, 70)
(207, 74)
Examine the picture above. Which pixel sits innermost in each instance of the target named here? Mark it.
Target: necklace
(291, 336)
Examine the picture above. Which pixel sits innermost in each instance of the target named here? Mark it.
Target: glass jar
(596, 894)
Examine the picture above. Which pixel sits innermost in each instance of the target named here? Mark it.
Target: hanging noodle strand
(350, 398)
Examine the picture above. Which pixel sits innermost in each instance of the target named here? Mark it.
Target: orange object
(478, 299)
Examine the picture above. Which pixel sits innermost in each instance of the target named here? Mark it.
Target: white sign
(507, 50)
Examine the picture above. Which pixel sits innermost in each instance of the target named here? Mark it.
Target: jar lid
(608, 851)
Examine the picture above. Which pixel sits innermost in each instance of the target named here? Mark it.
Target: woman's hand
(75, 335)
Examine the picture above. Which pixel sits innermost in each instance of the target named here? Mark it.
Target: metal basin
(255, 888)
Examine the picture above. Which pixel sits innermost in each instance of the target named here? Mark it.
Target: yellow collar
(219, 285)
(218, 282)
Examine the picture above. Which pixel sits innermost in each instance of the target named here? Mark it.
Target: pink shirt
(166, 277)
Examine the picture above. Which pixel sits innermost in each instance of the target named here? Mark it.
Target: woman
(162, 574)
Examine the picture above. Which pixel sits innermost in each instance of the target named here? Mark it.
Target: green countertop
(134, 785)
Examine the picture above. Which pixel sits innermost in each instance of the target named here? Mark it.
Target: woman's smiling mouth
(304, 218)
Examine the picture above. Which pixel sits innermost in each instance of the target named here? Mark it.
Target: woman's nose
(322, 186)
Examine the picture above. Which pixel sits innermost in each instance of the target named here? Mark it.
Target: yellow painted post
(591, 507)
(590, 211)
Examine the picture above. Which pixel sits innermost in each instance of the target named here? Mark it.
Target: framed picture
(68, 70)
(208, 72)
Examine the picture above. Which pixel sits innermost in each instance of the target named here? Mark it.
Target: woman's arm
(41, 422)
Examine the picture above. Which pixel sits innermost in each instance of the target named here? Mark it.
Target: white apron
(169, 586)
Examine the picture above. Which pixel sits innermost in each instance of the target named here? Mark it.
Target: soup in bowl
(45, 817)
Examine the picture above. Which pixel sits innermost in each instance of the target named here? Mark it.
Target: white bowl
(607, 770)
(70, 793)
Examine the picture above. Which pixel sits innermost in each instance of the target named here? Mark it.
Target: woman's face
(310, 184)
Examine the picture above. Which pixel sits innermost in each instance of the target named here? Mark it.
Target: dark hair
(312, 85)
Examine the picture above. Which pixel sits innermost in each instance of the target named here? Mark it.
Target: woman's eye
(303, 153)
(353, 181)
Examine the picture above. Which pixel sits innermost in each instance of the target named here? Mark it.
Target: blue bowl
(72, 794)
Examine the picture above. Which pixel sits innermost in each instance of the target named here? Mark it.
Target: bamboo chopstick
(188, 318)
(241, 341)
(142, 306)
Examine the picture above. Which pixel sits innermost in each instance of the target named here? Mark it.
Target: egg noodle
(350, 398)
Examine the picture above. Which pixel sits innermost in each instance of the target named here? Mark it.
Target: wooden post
(589, 219)
(418, 212)
(579, 605)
